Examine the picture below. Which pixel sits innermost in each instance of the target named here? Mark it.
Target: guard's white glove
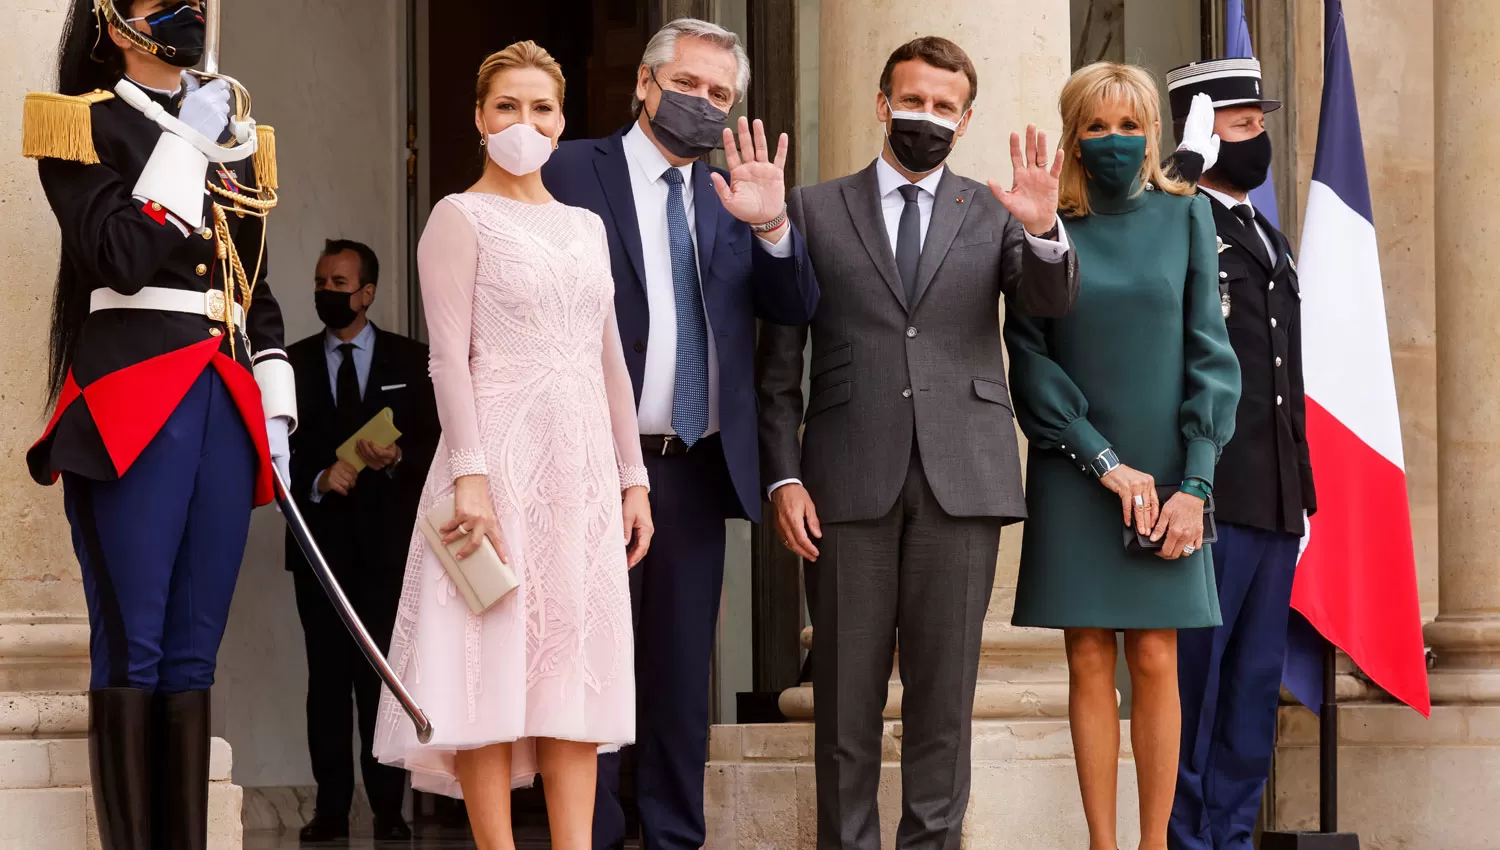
(1198, 133)
(205, 108)
(281, 452)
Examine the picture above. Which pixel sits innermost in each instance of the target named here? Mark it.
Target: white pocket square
(388, 387)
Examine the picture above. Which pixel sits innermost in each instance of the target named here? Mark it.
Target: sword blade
(211, 11)
(341, 604)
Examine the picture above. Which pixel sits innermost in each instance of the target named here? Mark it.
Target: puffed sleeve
(447, 261)
(1211, 372)
(1050, 408)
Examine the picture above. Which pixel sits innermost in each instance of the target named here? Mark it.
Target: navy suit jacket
(740, 283)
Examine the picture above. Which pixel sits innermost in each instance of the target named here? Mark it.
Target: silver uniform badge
(1224, 304)
(1222, 243)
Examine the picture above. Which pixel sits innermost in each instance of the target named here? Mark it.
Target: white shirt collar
(1224, 199)
(889, 179)
(362, 340)
(162, 92)
(648, 157)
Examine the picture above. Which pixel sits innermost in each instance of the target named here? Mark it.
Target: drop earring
(483, 141)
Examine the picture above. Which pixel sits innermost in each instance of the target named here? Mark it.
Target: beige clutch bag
(482, 578)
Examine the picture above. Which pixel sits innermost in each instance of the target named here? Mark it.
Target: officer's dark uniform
(159, 436)
(1230, 676)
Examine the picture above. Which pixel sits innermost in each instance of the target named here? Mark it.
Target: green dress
(1142, 365)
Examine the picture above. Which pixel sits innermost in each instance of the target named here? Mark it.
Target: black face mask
(1243, 166)
(687, 125)
(182, 29)
(919, 143)
(334, 309)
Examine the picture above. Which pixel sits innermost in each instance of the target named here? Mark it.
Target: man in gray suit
(908, 452)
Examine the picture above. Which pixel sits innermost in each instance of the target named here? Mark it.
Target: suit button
(1223, 275)
(906, 393)
(1272, 286)
(155, 207)
(639, 346)
(201, 270)
(206, 233)
(1278, 401)
(1273, 323)
(911, 332)
(1278, 361)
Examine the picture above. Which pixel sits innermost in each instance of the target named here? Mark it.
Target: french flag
(1237, 46)
(1356, 584)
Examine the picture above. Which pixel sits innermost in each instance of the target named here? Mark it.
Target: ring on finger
(1188, 550)
(1140, 501)
(463, 528)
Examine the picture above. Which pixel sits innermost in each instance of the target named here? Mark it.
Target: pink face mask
(519, 149)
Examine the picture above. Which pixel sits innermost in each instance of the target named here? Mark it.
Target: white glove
(205, 108)
(281, 452)
(1198, 133)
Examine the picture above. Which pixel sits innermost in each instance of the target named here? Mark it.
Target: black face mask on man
(920, 141)
(180, 28)
(687, 125)
(335, 308)
(1243, 166)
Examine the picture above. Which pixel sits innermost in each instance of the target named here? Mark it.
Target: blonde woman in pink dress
(541, 453)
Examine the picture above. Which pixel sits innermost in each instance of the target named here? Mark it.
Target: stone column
(1466, 634)
(45, 802)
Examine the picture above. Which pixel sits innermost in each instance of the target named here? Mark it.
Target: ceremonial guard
(1230, 676)
(172, 395)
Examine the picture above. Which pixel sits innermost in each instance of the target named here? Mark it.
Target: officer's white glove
(281, 453)
(205, 108)
(1198, 133)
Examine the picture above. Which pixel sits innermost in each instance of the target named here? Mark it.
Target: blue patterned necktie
(690, 392)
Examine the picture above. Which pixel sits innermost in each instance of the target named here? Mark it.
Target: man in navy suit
(698, 254)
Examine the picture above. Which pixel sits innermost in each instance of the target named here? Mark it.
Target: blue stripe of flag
(1340, 163)
(1237, 46)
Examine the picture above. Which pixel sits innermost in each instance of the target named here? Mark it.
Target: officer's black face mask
(335, 308)
(180, 27)
(1243, 166)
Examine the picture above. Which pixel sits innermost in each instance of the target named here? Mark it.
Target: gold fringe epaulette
(60, 126)
(265, 157)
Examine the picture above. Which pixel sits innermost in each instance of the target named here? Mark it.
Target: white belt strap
(208, 304)
(244, 132)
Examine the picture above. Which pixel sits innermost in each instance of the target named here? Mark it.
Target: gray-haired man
(698, 253)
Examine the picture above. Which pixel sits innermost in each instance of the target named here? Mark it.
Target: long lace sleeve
(447, 260)
(622, 419)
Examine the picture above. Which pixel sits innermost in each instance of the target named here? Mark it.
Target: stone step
(63, 818)
(40, 763)
(993, 700)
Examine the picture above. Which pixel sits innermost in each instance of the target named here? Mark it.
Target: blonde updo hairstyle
(1090, 87)
(522, 54)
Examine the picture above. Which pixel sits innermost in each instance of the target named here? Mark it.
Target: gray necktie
(909, 241)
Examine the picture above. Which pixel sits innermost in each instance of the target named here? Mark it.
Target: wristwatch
(771, 225)
(1104, 464)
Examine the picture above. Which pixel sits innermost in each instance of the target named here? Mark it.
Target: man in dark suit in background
(361, 520)
(697, 255)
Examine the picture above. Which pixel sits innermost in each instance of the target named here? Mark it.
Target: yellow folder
(380, 430)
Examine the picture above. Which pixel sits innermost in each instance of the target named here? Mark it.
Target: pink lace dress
(532, 390)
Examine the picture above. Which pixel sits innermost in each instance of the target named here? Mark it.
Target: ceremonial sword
(293, 516)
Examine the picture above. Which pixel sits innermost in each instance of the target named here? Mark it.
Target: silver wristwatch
(1104, 464)
(768, 226)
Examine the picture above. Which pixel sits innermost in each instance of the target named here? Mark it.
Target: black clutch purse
(1143, 543)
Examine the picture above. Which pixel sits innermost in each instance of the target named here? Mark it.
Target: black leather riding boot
(181, 771)
(120, 766)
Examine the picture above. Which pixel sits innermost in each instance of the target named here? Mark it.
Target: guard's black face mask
(1243, 165)
(180, 28)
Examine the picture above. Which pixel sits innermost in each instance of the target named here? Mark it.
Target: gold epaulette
(265, 156)
(60, 126)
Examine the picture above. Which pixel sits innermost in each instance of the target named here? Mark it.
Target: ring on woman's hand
(463, 528)
(1188, 550)
(1140, 501)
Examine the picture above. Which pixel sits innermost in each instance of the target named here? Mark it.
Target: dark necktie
(909, 241)
(690, 388)
(1246, 213)
(346, 395)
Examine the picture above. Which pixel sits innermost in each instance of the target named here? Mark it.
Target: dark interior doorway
(597, 42)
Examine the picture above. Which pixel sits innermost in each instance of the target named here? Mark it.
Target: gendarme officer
(1230, 676)
(172, 395)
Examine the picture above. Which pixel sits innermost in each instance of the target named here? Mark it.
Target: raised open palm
(1032, 197)
(756, 190)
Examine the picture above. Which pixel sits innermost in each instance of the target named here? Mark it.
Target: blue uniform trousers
(674, 594)
(161, 546)
(1230, 682)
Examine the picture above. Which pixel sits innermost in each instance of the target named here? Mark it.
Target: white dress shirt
(650, 191)
(889, 181)
(1231, 203)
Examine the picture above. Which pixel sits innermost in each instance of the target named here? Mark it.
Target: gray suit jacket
(885, 372)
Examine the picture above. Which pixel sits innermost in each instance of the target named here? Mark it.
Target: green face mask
(1113, 162)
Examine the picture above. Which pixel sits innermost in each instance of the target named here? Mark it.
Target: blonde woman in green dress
(1135, 388)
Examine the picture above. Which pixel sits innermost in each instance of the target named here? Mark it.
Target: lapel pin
(959, 199)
